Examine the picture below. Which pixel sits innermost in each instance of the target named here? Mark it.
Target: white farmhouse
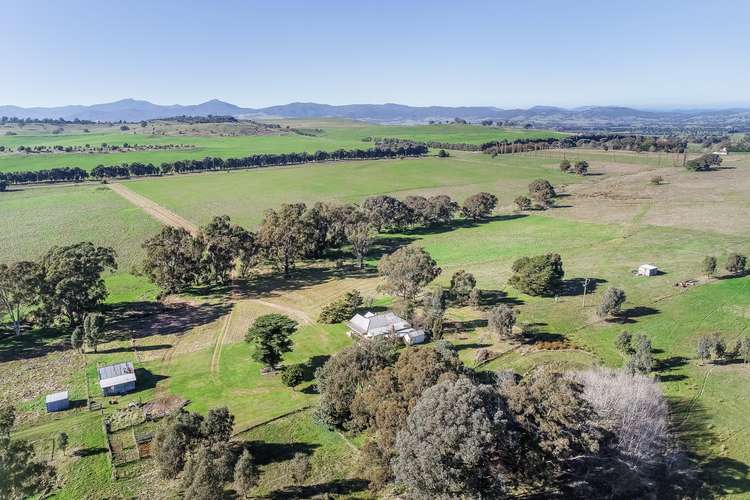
(371, 326)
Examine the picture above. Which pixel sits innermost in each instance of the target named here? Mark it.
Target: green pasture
(253, 398)
(334, 135)
(244, 195)
(35, 219)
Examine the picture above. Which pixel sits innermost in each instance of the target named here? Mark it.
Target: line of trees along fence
(76, 174)
(631, 142)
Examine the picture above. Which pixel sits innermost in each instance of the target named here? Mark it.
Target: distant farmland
(327, 136)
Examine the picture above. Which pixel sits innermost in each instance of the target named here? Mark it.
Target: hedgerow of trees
(76, 174)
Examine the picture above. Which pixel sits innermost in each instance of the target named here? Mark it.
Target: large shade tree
(173, 259)
(360, 234)
(19, 288)
(407, 270)
(340, 378)
(386, 212)
(479, 206)
(538, 275)
(222, 244)
(449, 444)
(285, 235)
(71, 280)
(270, 335)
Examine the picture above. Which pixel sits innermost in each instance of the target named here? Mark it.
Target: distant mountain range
(131, 110)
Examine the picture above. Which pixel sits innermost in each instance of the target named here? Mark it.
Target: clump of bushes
(715, 347)
(341, 309)
(704, 163)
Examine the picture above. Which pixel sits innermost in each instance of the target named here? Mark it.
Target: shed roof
(116, 370)
(120, 379)
(56, 396)
(647, 266)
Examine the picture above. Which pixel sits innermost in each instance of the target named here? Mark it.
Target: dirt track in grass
(155, 210)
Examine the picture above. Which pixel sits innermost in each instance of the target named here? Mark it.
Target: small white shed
(57, 401)
(647, 270)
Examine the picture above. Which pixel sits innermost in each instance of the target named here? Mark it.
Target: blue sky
(637, 53)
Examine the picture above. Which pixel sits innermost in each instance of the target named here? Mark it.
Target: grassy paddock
(334, 135)
(244, 195)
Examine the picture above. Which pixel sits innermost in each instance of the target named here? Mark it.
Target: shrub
(522, 202)
(342, 309)
(736, 263)
(611, 303)
(293, 375)
(462, 284)
(709, 265)
(501, 320)
(623, 342)
(581, 167)
(703, 163)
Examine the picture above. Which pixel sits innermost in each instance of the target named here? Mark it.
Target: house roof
(371, 322)
(57, 396)
(116, 370)
(118, 380)
(411, 333)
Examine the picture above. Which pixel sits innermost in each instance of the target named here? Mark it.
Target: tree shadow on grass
(385, 245)
(146, 319)
(273, 285)
(628, 315)
(88, 452)
(458, 224)
(146, 379)
(574, 286)
(455, 327)
(472, 345)
(533, 336)
(490, 298)
(732, 276)
(338, 487)
(667, 365)
(693, 426)
(33, 344)
(313, 364)
(268, 453)
(154, 347)
(726, 476)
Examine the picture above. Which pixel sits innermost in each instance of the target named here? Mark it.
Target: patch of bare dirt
(162, 407)
(716, 201)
